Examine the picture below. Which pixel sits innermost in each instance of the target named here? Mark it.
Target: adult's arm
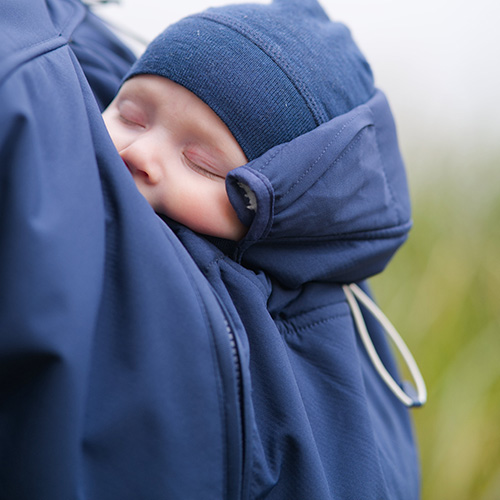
(102, 56)
(116, 379)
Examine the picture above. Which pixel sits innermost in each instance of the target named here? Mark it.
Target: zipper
(235, 445)
(237, 363)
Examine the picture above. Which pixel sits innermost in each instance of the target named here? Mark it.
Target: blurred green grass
(442, 292)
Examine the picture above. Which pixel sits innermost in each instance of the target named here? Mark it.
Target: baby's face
(178, 152)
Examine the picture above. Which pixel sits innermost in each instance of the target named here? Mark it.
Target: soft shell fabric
(329, 208)
(127, 374)
(117, 379)
(271, 71)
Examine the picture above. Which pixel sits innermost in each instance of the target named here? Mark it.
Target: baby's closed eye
(131, 114)
(206, 171)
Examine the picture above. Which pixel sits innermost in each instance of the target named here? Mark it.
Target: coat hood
(332, 205)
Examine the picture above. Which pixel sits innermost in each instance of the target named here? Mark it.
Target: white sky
(437, 60)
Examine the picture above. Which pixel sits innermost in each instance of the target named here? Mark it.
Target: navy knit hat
(271, 72)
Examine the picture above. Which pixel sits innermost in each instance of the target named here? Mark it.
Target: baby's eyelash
(130, 122)
(202, 171)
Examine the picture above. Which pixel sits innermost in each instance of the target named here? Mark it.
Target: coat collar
(331, 205)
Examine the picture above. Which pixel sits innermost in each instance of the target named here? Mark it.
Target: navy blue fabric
(124, 372)
(271, 72)
(117, 378)
(332, 207)
(104, 59)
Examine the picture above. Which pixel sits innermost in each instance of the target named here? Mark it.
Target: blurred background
(438, 62)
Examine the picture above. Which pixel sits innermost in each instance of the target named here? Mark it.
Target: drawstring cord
(408, 397)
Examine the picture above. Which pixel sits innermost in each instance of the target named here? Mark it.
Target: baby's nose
(141, 167)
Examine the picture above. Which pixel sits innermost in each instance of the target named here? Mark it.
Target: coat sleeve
(102, 56)
(115, 369)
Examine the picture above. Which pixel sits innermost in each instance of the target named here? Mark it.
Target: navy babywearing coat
(124, 372)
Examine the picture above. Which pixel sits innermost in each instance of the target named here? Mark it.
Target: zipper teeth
(236, 359)
(239, 396)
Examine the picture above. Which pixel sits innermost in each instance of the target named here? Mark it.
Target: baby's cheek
(216, 216)
(231, 227)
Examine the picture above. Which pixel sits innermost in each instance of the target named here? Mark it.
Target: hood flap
(331, 205)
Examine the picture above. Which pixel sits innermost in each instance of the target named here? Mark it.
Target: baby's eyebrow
(213, 141)
(139, 95)
(132, 106)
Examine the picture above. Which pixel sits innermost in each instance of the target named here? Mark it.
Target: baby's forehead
(156, 101)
